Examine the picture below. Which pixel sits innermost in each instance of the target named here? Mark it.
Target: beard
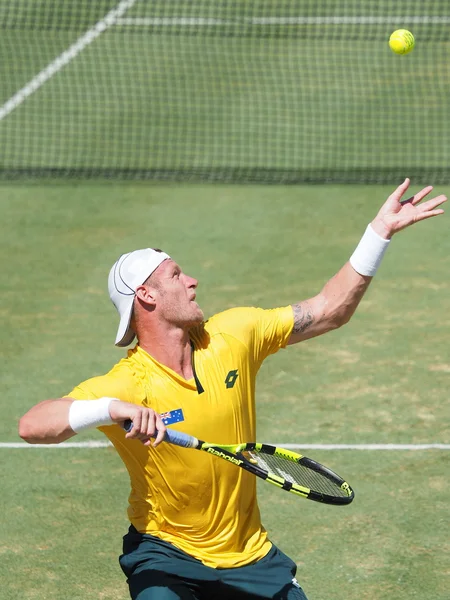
(197, 315)
(185, 316)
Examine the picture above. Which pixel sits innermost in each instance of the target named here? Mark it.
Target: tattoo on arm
(303, 317)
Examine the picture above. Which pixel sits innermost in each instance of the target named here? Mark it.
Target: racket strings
(297, 473)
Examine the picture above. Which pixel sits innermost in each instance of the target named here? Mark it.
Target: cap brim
(125, 335)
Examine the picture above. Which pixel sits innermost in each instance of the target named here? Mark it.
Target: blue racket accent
(178, 438)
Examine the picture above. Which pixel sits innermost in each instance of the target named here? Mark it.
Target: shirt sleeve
(109, 385)
(273, 329)
(106, 385)
(262, 331)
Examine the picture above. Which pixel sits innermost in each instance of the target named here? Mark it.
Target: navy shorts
(157, 570)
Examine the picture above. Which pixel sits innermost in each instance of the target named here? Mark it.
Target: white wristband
(86, 414)
(368, 254)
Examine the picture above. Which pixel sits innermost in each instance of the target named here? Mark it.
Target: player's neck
(173, 349)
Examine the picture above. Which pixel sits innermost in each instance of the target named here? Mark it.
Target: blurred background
(252, 140)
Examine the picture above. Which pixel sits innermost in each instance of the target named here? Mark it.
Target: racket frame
(233, 453)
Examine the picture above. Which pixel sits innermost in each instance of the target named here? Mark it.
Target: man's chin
(200, 317)
(197, 317)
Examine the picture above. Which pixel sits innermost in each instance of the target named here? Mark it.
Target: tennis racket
(287, 470)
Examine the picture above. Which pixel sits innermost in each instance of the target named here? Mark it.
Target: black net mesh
(248, 90)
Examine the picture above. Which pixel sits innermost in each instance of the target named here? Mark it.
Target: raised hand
(397, 214)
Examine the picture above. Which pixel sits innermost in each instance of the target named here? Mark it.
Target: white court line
(332, 20)
(90, 444)
(95, 444)
(64, 58)
(114, 17)
(366, 446)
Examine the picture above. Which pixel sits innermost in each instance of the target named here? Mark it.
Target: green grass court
(381, 379)
(229, 100)
(225, 101)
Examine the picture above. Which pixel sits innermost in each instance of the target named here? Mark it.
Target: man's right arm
(339, 298)
(55, 421)
(47, 422)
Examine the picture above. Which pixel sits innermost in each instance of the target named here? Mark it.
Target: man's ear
(146, 295)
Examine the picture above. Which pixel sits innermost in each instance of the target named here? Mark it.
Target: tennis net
(270, 91)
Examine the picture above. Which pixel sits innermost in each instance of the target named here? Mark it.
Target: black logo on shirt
(230, 379)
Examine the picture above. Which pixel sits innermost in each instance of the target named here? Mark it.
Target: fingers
(428, 209)
(418, 197)
(433, 203)
(398, 193)
(147, 424)
(160, 431)
(397, 214)
(430, 212)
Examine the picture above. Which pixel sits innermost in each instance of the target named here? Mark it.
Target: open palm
(396, 214)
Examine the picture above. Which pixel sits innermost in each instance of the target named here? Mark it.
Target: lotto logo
(230, 379)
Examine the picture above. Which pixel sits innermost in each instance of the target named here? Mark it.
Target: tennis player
(195, 530)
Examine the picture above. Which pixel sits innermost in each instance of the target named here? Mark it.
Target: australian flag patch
(172, 416)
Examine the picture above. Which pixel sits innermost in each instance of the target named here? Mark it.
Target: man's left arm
(339, 298)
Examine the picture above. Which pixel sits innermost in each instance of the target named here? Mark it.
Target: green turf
(279, 103)
(381, 379)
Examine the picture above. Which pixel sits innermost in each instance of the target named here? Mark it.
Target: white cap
(129, 272)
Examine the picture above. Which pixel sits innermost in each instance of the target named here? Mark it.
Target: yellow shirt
(199, 503)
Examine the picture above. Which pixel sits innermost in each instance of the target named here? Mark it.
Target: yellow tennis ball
(401, 41)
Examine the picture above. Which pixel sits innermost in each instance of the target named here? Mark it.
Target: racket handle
(178, 438)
